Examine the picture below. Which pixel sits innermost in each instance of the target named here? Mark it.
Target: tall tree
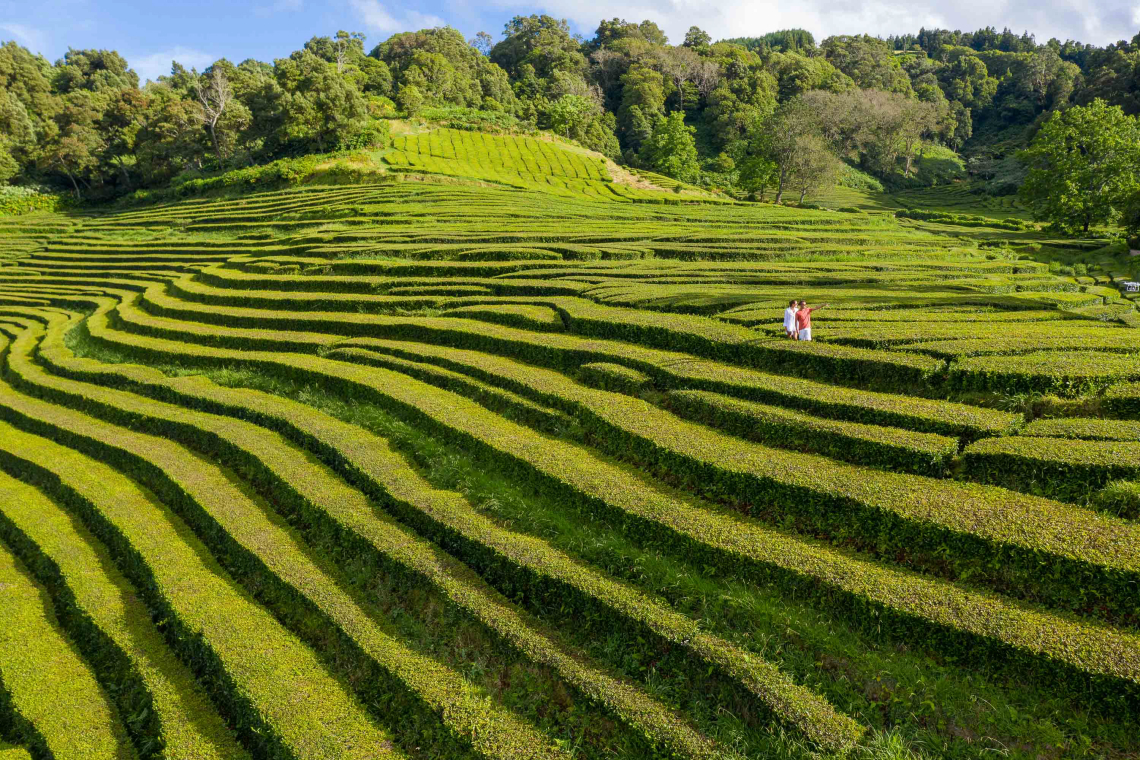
(1084, 165)
(670, 149)
(215, 97)
(320, 106)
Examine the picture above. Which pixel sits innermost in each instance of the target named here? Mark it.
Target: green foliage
(670, 149)
(1083, 167)
(557, 451)
(25, 200)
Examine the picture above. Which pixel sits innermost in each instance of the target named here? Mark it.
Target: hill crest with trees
(780, 113)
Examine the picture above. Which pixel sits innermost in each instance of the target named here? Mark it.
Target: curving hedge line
(894, 449)
(349, 527)
(973, 624)
(517, 564)
(512, 315)
(253, 546)
(1086, 428)
(715, 340)
(985, 528)
(1062, 468)
(669, 369)
(1072, 373)
(1108, 342)
(171, 716)
(275, 691)
(614, 377)
(49, 699)
(1123, 401)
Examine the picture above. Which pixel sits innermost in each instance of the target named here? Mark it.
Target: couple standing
(797, 319)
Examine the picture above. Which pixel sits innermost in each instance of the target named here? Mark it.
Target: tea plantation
(516, 462)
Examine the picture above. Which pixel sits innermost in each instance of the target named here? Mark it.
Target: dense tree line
(779, 112)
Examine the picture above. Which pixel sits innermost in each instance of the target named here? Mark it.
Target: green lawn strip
(1063, 468)
(49, 699)
(8, 752)
(349, 519)
(669, 369)
(1085, 428)
(167, 714)
(891, 513)
(276, 693)
(1066, 373)
(256, 546)
(512, 315)
(974, 624)
(518, 563)
(614, 377)
(894, 449)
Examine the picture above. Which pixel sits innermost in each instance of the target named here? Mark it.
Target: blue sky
(151, 33)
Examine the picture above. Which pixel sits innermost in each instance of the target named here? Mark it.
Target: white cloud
(33, 39)
(1097, 22)
(158, 64)
(377, 18)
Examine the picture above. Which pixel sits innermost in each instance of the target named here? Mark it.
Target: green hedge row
(519, 565)
(1085, 428)
(277, 693)
(522, 316)
(1066, 373)
(171, 716)
(964, 220)
(668, 368)
(255, 547)
(716, 340)
(1123, 400)
(1121, 497)
(896, 603)
(872, 332)
(486, 395)
(894, 513)
(1061, 468)
(614, 377)
(49, 698)
(351, 526)
(894, 449)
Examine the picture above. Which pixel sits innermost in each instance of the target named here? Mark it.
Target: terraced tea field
(441, 471)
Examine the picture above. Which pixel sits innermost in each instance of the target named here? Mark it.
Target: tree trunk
(780, 188)
(803, 194)
(217, 150)
(909, 159)
(74, 184)
(126, 177)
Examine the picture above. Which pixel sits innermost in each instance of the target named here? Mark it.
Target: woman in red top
(803, 320)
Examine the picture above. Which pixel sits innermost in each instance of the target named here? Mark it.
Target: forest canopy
(781, 110)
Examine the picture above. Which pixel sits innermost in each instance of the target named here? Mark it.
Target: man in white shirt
(790, 320)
